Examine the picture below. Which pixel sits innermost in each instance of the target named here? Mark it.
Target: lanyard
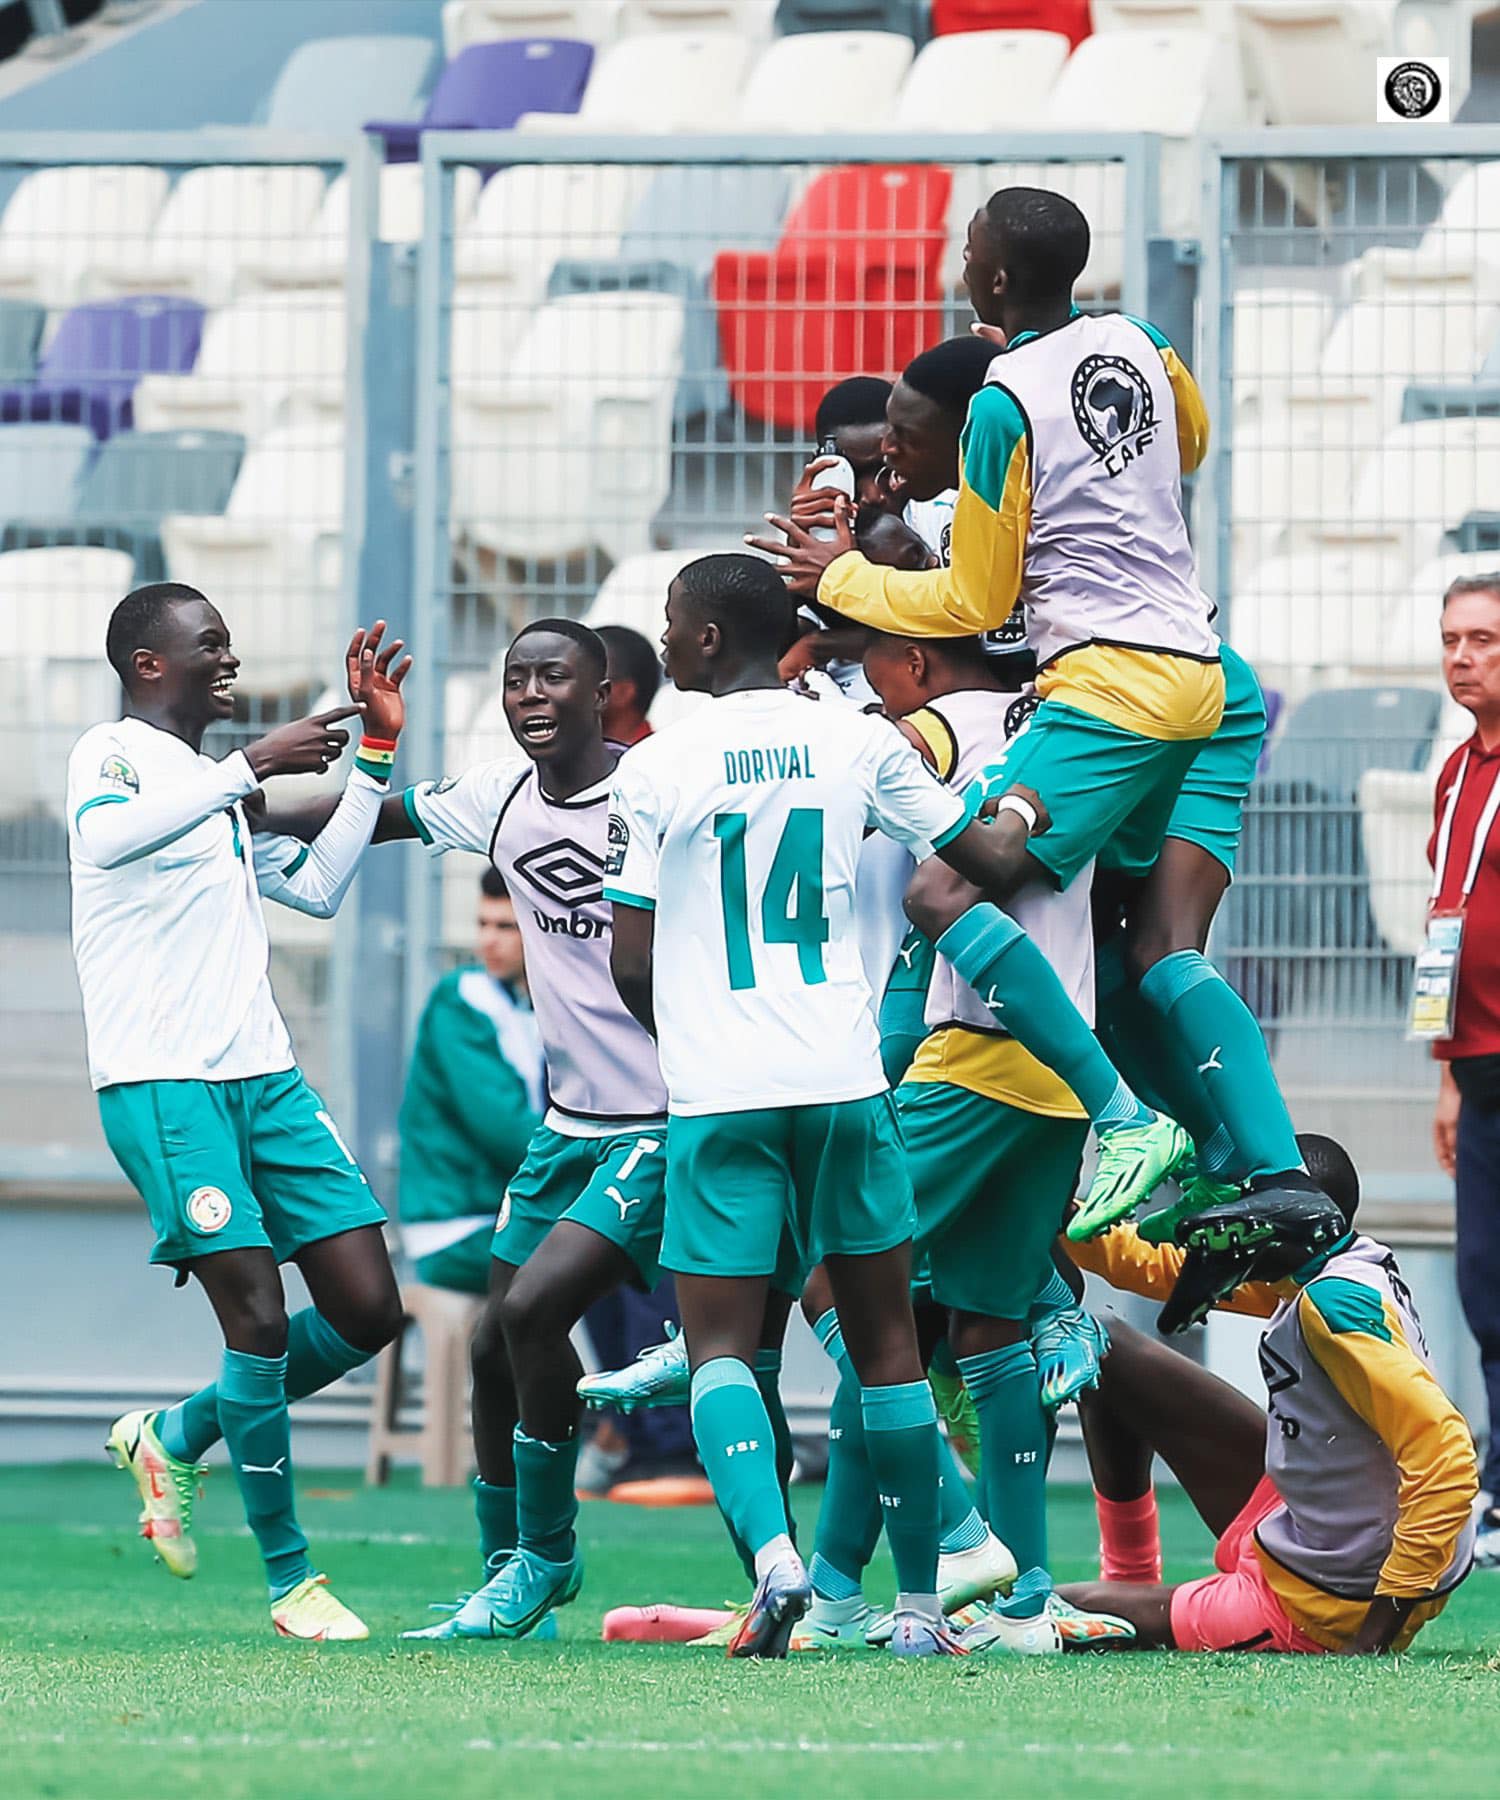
(1445, 832)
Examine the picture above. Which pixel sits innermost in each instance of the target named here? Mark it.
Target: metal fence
(532, 375)
(1350, 337)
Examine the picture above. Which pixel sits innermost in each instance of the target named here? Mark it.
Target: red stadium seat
(853, 288)
(1071, 17)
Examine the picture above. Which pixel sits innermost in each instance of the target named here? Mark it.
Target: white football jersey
(984, 725)
(741, 828)
(171, 947)
(602, 1072)
(932, 520)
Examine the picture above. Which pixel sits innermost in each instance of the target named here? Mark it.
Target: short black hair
(137, 622)
(950, 374)
(1042, 238)
(745, 597)
(635, 659)
(958, 653)
(588, 641)
(1332, 1167)
(492, 884)
(858, 401)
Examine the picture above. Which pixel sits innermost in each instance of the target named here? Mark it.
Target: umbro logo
(565, 872)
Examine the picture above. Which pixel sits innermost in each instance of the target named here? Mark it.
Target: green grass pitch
(117, 1682)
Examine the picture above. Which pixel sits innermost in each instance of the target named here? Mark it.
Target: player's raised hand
(376, 672)
(815, 508)
(804, 557)
(305, 747)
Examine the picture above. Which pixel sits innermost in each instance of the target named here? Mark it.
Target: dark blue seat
(89, 370)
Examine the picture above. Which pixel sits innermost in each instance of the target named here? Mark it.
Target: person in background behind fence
(1457, 999)
(474, 1095)
(634, 677)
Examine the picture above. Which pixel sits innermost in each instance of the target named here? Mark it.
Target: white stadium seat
(748, 18)
(1278, 337)
(1395, 816)
(268, 359)
(530, 216)
(1311, 62)
(468, 22)
(827, 81)
(273, 560)
(990, 80)
(1411, 333)
(1309, 619)
(666, 81)
(215, 219)
(54, 607)
(1424, 479)
(1409, 643)
(569, 444)
(60, 221)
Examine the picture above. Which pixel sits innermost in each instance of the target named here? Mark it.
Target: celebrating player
(239, 1163)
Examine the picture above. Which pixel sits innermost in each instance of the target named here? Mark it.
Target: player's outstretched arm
(986, 861)
(314, 877)
(631, 943)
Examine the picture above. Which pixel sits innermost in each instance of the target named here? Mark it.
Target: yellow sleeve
(1356, 1339)
(937, 734)
(991, 518)
(1124, 1259)
(1192, 414)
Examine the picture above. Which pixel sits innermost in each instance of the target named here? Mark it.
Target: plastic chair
(467, 22)
(827, 81)
(101, 350)
(21, 325)
(906, 16)
(665, 81)
(1311, 60)
(990, 80)
(746, 18)
(487, 87)
(529, 217)
(1070, 17)
(334, 84)
(441, 1443)
(41, 467)
(60, 221)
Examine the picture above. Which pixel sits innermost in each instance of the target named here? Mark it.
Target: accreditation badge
(1434, 988)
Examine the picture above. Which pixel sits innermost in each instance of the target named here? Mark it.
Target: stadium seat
(1164, 15)
(853, 287)
(906, 16)
(988, 80)
(529, 216)
(827, 81)
(1422, 480)
(747, 18)
(1414, 332)
(566, 444)
(61, 221)
(446, 1320)
(1311, 61)
(1337, 733)
(1308, 619)
(215, 218)
(1070, 17)
(335, 84)
(489, 86)
(665, 81)
(100, 351)
(21, 325)
(54, 604)
(41, 467)
(273, 560)
(137, 478)
(1408, 644)
(267, 359)
(687, 214)
(467, 22)
(1395, 821)
(1278, 338)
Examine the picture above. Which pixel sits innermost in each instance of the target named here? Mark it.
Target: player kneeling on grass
(203, 1105)
(734, 839)
(1344, 1513)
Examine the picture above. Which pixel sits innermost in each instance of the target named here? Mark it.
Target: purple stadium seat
(488, 86)
(88, 372)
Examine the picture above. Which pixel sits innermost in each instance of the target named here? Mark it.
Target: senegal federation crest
(208, 1210)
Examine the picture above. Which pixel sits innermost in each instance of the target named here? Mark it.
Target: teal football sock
(902, 1020)
(546, 1504)
(735, 1442)
(901, 1436)
(1021, 988)
(1013, 1455)
(316, 1356)
(258, 1434)
(495, 1511)
(849, 1518)
(1225, 1043)
(767, 1372)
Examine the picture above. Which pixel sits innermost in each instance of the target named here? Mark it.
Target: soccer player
(1085, 422)
(634, 677)
(1344, 1513)
(239, 1163)
(735, 837)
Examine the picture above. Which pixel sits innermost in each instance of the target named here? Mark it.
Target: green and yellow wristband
(375, 757)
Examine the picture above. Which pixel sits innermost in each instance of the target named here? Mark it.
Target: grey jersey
(602, 1070)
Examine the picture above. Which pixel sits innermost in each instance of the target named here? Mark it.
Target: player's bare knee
(258, 1326)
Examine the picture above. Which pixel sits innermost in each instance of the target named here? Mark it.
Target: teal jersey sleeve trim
(296, 862)
(100, 800)
(1345, 1305)
(619, 897)
(1159, 338)
(993, 431)
(409, 801)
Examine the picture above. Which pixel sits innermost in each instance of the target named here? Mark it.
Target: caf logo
(1114, 410)
(208, 1209)
(1412, 90)
(1019, 713)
